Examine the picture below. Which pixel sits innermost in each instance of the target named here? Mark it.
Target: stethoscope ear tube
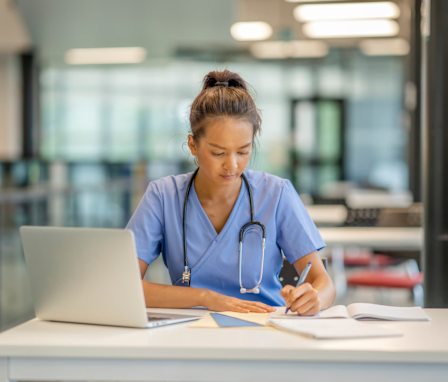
(244, 229)
(246, 226)
(186, 274)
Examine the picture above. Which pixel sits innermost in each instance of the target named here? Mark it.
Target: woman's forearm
(170, 296)
(325, 289)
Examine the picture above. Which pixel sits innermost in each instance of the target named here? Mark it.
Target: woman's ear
(192, 145)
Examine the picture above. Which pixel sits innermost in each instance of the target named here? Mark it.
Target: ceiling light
(351, 28)
(309, 1)
(251, 31)
(385, 47)
(288, 49)
(347, 11)
(100, 56)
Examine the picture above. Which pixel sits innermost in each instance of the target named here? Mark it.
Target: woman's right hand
(221, 303)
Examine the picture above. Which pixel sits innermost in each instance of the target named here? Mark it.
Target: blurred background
(95, 96)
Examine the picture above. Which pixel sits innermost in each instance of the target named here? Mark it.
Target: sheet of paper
(259, 318)
(205, 322)
(334, 328)
(226, 321)
(336, 311)
(208, 322)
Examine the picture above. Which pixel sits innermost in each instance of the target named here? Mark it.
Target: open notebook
(366, 311)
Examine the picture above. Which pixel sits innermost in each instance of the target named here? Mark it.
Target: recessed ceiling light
(385, 47)
(309, 1)
(251, 31)
(347, 11)
(103, 56)
(351, 28)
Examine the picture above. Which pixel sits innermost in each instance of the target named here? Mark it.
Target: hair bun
(222, 83)
(225, 78)
(217, 100)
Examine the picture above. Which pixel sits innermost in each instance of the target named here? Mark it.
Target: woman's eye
(216, 154)
(243, 153)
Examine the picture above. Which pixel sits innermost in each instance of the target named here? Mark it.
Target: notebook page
(384, 312)
(336, 311)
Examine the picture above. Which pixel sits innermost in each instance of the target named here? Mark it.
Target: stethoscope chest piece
(255, 290)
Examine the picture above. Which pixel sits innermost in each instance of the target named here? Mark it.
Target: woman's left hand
(303, 299)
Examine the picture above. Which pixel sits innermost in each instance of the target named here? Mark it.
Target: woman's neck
(210, 191)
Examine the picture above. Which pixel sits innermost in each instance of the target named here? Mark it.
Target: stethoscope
(186, 274)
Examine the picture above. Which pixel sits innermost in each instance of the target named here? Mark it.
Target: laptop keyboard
(158, 317)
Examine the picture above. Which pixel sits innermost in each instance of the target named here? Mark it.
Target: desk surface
(422, 341)
(49, 350)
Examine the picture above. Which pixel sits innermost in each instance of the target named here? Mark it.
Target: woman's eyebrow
(223, 148)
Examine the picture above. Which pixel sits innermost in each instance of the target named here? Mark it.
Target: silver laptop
(88, 275)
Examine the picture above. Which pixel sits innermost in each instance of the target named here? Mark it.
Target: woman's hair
(223, 94)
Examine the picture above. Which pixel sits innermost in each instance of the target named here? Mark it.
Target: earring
(196, 161)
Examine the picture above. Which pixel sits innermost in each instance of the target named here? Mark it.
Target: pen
(302, 279)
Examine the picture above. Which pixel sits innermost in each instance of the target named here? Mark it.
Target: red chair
(412, 280)
(368, 259)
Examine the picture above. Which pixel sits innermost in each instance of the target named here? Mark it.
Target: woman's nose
(231, 162)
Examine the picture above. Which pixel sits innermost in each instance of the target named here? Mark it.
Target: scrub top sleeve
(147, 225)
(297, 234)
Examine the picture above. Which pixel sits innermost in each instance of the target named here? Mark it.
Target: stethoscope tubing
(186, 275)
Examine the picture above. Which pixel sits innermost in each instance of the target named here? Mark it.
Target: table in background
(50, 351)
(327, 214)
(374, 238)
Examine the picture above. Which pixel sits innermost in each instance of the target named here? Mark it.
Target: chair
(378, 272)
(411, 279)
(288, 274)
(367, 258)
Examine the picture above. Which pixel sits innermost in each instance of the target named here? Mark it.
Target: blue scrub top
(214, 258)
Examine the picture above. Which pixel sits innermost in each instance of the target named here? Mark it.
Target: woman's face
(224, 150)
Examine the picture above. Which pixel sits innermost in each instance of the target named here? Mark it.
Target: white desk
(380, 238)
(40, 350)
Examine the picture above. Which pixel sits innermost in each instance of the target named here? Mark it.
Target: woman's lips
(228, 176)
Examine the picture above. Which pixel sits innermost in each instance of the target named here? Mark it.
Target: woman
(197, 220)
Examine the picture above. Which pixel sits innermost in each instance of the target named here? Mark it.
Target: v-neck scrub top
(214, 258)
